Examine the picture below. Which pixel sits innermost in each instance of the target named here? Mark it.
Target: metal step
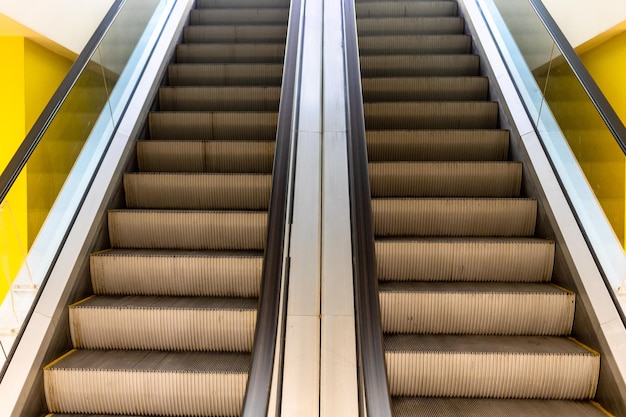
(147, 382)
(197, 191)
(190, 230)
(410, 26)
(225, 74)
(205, 156)
(437, 145)
(431, 115)
(419, 65)
(214, 4)
(243, 53)
(450, 217)
(219, 98)
(469, 407)
(405, 8)
(164, 323)
(415, 44)
(464, 259)
(533, 367)
(493, 308)
(235, 33)
(425, 89)
(445, 179)
(255, 15)
(176, 273)
(213, 125)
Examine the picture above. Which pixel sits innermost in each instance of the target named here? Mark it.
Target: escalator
(472, 323)
(170, 326)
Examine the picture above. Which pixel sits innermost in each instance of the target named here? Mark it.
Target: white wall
(583, 20)
(70, 23)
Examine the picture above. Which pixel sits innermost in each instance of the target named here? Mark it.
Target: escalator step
(469, 407)
(197, 191)
(225, 74)
(438, 145)
(215, 4)
(419, 65)
(431, 115)
(454, 217)
(235, 33)
(176, 273)
(445, 179)
(206, 156)
(147, 382)
(405, 8)
(255, 15)
(164, 323)
(250, 98)
(213, 125)
(410, 25)
(415, 44)
(533, 367)
(464, 259)
(190, 230)
(425, 89)
(493, 308)
(243, 53)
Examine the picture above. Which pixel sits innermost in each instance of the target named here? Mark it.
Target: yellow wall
(29, 75)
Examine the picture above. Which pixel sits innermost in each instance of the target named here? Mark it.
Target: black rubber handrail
(606, 111)
(32, 139)
(256, 401)
(372, 370)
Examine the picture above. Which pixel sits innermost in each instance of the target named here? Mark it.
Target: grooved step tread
(469, 407)
(419, 65)
(425, 89)
(406, 8)
(493, 217)
(227, 98)
(164, 323)
(415, 44)
(410, 25)
(207, 53)
(539, 367)
(476, 308)
(431, 115)
(206, 156)
(464, 259)
(437, 145)
(176, 273)
(214, 4)
(225, 74)
(243, 33)
(445, 179)
(197, 191)
(190, 229)
(242, 15)
(213, 125)
(117, 382)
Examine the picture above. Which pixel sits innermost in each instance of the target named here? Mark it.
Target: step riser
(162, 329)
(406, 9)
(242, 16)
(477, 313)
(445, 179)
(197, 191)
(504, 218)
(479, 260)
(236, 34)
(231, 53)
(200, 156)
(188, 230)
(176, 275)
(410, 26)
(219, 99)
(492, 375)
(450, 44)
(419, 66)
(225, 74)
(437, 145)
(431, 115)
(425, 89)
(213, 126)
(144, 393)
